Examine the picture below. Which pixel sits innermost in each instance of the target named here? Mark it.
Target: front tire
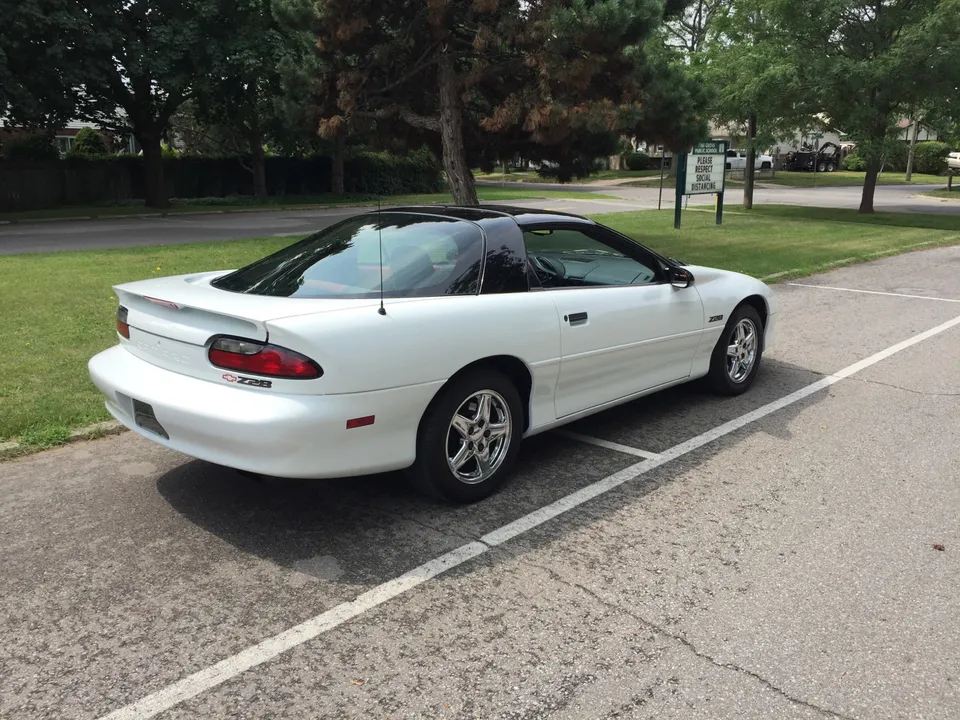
(736, 357)
(469, 438)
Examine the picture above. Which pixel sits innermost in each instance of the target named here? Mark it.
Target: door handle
(577, 318)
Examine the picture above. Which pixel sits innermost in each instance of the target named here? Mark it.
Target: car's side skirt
(607, 405)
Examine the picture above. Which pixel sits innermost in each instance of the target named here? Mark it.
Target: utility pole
(913, 149)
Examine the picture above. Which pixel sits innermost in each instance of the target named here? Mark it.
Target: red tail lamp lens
(122, 326)
(257, 358)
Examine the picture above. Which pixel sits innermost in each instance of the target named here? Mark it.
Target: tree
(874, 62)
(490, 74)
(89, 143)
(757, 87)
(242, 102)
(40, 73)
(142, 60)
(688, 30)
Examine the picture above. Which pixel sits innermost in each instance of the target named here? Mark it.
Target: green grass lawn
(59, 307)
(248, 204)
(532, 177)
(844, 177)
(946, 194)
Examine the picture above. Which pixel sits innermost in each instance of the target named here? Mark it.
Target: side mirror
(680, 277)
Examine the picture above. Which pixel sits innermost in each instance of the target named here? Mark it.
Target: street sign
(702, 171)
(705, 169)
(817, 135)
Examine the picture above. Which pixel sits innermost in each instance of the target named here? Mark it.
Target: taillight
(256, 358)
(122, 326)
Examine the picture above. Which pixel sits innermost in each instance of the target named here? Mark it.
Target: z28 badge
(252, 382)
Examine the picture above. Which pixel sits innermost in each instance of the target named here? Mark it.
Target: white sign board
(704, 172)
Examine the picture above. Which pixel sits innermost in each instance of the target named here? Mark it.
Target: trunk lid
(172, 319)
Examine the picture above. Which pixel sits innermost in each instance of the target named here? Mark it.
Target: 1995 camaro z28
(495, 323)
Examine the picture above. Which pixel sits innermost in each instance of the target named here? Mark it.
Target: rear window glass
(423, 255)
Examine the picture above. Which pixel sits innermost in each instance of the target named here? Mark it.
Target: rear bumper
(301, 436)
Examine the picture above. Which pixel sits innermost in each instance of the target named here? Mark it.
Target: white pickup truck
(737, 160)
(953, 162)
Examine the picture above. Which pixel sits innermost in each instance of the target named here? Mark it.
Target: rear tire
(476, 422)
(736, 357)
(831, 167)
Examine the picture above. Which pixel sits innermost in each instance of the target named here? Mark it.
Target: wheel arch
(758, 303)
(515, 369)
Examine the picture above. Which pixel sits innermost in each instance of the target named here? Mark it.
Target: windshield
(423, 255)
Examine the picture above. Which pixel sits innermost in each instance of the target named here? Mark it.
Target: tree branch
(425, 122)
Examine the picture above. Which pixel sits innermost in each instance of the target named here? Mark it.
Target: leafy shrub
(30, 148)
(638, 161)
(854, 163)
(930, 157)
(895, 157)
(89, 143)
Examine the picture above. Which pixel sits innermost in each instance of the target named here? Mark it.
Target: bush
(30, 148)
(854, 163)
(930, 157)
(89, 143)
(638, 161)
(895, 157)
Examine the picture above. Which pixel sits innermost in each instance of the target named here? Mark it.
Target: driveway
(178, 229)
(792, 553)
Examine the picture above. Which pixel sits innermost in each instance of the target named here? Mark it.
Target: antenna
(382, 310)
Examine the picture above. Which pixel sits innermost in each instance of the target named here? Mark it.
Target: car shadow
(365, 530)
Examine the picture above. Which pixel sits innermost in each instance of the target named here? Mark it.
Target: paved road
(779, 568)
(132, 232)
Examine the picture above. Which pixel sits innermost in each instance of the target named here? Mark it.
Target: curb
(13, 448)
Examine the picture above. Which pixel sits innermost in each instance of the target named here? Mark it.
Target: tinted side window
(564, 258)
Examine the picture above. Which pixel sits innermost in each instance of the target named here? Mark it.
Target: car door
(623, 328)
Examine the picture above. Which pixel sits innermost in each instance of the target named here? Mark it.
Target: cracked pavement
(786, 570)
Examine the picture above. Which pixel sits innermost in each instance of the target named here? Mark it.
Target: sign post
(702, 171)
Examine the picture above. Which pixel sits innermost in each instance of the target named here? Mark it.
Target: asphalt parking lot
(771, 556)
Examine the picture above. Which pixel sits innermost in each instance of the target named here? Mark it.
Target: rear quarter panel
(428, 340)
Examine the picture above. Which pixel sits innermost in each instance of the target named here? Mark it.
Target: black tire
(431, 472)
(821, 167)
(765, 166)
(727, 166)
(719, 378)
(831, 167)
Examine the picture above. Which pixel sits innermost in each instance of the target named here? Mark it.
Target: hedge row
(78, 181)
(929, 157)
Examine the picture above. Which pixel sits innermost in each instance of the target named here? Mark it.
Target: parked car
(953, 162)
(430, 339)
(737, 160)
(825, 159)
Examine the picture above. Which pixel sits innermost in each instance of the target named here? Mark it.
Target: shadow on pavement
(363, 531)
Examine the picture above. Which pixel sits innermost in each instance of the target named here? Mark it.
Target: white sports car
(430, 339)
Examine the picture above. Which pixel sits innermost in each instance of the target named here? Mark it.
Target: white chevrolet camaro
(430, 339)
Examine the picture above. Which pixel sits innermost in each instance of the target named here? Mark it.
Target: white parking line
(271, 647)
(873, 292)
(607, 444)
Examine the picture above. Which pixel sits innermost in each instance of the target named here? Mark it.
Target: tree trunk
(459, 176)
(259, 166)
(869, 185)
(155, 189)
(748, 170)
(339, 151)
(913, 149)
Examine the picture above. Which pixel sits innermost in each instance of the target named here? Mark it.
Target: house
(65, 136)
